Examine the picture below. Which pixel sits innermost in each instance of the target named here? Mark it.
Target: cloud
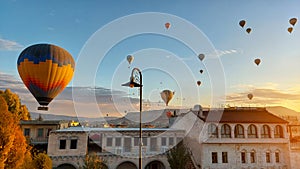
(8, 45)
(264, 96)
(110, 101)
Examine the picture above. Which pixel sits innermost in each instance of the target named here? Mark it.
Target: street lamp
(136, 81)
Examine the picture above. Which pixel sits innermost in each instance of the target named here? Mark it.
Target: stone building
(238, 138)
(117, 146)
(37, 131)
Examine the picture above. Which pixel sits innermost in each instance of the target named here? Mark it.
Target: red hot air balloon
(45, 70)
(167, 25)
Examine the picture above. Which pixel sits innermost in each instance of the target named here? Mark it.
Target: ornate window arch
(225, 131)
(252, 131)
(212, 131)
(239, 131)
(265, 132)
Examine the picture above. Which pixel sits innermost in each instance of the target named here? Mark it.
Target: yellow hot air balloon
(290, 29)
(242, 23)
(45, 70)
(167, 95)
(201, 56)
(250, 96)
(130, 58)
(257, 61)
(293, 21)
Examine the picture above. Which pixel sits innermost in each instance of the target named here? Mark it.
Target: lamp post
(136, 81)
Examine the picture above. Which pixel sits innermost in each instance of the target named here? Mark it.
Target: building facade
(37, 131)
(240, 138)
(118, 147)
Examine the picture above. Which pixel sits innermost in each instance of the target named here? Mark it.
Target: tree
(93, 161)
(42, 161)
(13, 146)
(178, 156)
(14, 105)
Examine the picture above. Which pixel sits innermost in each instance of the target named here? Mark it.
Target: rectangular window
(40, 132)
(153, 144)
(62, 144)
(127, 144)
(163, 141)
(171, 141)
(118, 141)
(277, 157)
(243, 157)
(108, 141)
(136, 141)
(268, 159)
(144, 141)
(27, 132)
(252, 157)
(214, 157)
(224, 157)
(73, 144)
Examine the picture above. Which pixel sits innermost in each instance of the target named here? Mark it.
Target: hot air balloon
(201, 71)
(46, 70)
(169, 114)
(293, 21)
(167, 25)
(290, 29)
(201, 56)
(198, 83)
(257, 61)
(167, 95)
(242, 23)
(130, 58)
(248, 30)
(250, 96)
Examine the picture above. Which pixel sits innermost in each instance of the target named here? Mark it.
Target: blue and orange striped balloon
(46, 70)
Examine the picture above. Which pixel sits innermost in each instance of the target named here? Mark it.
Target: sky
(100, 34)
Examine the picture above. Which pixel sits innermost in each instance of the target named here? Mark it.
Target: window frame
(224, 157)
(252, 131)
(62, 144)
(212, 131)
(72, 146)
(225, 131)
(239, 131)
(265, 131)
(214, 157)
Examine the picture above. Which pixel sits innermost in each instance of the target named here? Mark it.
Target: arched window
(239, 131)
(212, 131)
(226, 131)
(252, 131)
(265, 132)
(278, 133)
(252, 156)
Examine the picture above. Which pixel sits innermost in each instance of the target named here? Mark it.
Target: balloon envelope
(130, 59)
(201, 56)
(248, 30)
(201, 71)
(250, 96)
(167, 95)
(257, 61)
(290, 29)
(167, 25)
(293, 21)
(242, 23)
(45, 70)
(198, 83)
